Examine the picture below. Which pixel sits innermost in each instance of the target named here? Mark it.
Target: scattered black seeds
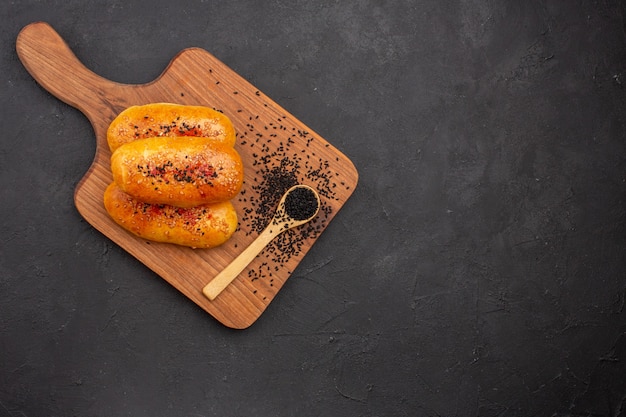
(278, 165)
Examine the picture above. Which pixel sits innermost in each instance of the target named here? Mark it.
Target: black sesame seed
(301, 203)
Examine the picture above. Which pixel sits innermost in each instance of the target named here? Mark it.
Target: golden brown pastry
(205, 226)
(179, 171)
(167, 119)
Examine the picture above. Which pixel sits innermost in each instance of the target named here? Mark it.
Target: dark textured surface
(479, 268)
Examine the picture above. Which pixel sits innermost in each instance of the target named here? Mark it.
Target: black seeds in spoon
(301, 203)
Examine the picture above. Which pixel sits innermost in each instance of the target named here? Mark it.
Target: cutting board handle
(52, 63)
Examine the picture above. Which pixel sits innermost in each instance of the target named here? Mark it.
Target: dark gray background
(479, 268)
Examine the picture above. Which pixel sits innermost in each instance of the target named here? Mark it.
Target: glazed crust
(179, 171)
(167, 119)
(205, 226)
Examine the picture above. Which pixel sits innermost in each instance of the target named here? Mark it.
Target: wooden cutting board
(277, 150)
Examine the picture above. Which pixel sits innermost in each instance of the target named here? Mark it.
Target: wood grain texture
(270, 140)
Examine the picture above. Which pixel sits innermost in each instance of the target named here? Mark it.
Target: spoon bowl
(299, 205)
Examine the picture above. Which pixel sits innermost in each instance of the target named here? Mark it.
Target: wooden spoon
(297, 206)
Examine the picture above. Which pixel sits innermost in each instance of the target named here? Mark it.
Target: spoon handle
(228, 274)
